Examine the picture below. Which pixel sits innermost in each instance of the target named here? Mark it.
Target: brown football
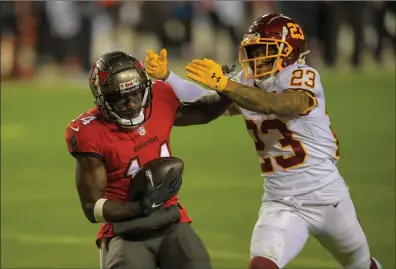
(154, 172)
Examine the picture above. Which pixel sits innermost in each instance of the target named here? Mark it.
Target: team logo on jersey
(141, 130)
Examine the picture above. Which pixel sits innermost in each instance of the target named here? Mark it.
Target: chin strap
(129, 123)
(282, 44)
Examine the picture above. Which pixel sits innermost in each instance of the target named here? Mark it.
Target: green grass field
(42, 225)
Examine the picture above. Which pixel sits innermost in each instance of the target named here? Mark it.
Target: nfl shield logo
(141, 130)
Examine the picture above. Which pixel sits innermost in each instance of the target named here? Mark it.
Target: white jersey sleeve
(185, 90)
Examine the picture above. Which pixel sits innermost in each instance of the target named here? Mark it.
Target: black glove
(155, 196)
(160, 219)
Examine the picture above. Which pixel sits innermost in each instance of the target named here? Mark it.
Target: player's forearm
(114, 211)
(288, 103)
(185, 91)
(202, 111)
(106, 210)
(212, 106)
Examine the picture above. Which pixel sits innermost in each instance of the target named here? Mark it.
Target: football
(154, 173)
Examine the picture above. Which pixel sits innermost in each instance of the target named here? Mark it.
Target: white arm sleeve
(185, 90)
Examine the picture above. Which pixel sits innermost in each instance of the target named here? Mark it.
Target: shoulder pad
(82, 137)
(83, 121)
(300, 76)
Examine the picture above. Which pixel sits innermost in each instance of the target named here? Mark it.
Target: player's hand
(157, 65)
(208, 73)
(156, 196)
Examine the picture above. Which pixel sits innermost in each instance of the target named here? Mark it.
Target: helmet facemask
(256, 52)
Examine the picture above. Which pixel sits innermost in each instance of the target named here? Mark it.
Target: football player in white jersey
(283, 103)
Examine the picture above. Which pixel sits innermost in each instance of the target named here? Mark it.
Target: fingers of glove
(169, 192)
(176, 183)
(146, 207)
(198, 67)
(163, 55)
(151, 54)
(148, 67)
(146, 60)
(158, 196)
(151, 70)
(196, 78)
(151, 64)
(205, 62)
(194, 71)
(166, 193)
(162, 195)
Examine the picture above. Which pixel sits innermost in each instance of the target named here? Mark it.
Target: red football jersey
(122, 150)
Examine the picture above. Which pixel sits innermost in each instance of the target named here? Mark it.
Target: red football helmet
(282, 43)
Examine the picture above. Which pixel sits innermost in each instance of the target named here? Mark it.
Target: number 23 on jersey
(303, 77)
(287, 140)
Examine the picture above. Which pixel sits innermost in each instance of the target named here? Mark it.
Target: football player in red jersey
(129, 127)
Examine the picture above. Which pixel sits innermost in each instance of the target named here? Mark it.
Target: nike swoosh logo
(75, 128)
(155, 205)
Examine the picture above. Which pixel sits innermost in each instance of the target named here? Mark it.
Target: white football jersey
(298, 155)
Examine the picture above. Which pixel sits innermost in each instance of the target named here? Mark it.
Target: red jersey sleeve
(165, 92)
(81, 138)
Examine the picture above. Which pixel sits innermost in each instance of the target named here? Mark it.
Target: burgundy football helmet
(121, 89)
(281, 41)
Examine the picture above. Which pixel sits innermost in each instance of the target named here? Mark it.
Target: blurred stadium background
(46, 53)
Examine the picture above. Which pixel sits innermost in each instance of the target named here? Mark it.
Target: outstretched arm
(185, 90)
(291, 102)
(202, 111)
(287, 103)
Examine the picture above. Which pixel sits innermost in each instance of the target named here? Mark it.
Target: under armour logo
(214, 76)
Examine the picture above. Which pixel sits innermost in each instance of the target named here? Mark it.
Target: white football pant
(283, 228)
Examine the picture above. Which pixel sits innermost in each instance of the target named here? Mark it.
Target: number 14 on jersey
(134, 164)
